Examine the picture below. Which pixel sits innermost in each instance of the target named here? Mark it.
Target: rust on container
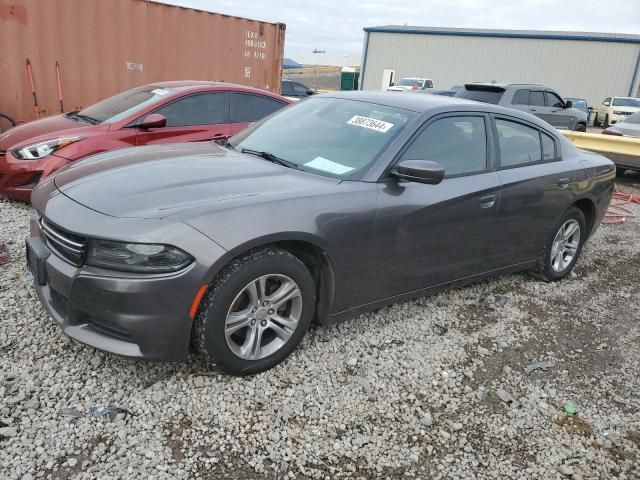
(103, 47)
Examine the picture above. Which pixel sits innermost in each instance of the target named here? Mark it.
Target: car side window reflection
(203, 109)
(459, 144)
(519, 144)
(521, 97)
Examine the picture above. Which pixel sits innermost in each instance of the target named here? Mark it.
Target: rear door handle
(487, 201)
(564, 182)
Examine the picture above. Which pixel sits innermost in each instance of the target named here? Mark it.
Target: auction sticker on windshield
(370, 123)
(326, 165)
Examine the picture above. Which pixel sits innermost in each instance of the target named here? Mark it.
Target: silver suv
(538, 100)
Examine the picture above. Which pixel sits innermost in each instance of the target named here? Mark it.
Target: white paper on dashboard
(326, 165)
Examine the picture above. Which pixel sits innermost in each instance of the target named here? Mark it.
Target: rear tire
(564, 245)
(606, 121)
(255, 312)
(581, 127)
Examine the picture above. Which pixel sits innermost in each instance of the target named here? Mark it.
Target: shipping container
(103, 47)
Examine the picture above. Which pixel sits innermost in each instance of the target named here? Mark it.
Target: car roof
(199, 85)
(431, 103)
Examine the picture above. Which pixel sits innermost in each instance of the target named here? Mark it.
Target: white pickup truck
(411, 83)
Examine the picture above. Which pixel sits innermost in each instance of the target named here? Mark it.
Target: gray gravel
(432, 388)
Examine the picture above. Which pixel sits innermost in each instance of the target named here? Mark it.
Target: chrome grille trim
(70, 247)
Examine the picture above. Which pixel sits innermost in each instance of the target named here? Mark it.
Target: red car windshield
(124, 104)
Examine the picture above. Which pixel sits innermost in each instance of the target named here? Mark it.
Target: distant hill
(289, 63)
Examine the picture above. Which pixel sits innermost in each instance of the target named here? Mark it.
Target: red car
(168, 112)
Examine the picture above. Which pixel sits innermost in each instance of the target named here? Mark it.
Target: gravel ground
(431, 388)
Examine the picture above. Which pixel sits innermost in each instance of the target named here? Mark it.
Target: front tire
(606, 121)
(256, 312)
(596, 123)
(564, 245)
(581, 127)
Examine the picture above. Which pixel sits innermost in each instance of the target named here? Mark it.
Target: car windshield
(626, 102)
(126, 103)
(333, 137)
(410, 82)
(633, 118)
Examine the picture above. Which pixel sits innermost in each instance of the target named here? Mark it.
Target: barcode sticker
(370, 123)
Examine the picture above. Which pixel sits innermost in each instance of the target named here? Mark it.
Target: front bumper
(133, 315)
(18, 178)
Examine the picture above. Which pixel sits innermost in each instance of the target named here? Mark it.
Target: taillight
(609, 132)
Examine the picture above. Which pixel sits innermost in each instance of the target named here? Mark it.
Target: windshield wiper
(271, 157)
(225, 143)
(86, 118)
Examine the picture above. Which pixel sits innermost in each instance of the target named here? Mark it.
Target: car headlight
(40, 150)
(618, 112)
(136, 257)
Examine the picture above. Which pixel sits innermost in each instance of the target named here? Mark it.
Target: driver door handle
(564, 182)
(487, 201)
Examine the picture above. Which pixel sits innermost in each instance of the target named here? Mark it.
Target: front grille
(67, 245)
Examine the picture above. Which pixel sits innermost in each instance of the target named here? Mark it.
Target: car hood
(626, 109)
(161, 181)
(42, 130)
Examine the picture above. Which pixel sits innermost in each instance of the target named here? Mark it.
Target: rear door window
(201, 109)
(519, 144)
(521, 97)
(246, 107)
(548, 147)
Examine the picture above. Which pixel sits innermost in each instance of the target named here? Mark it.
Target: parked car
(169, 112)
(295, 90)
(538, 100)
(614, 110)
(334, 206)
(627, 127)
(437, 91)
(411, 83)
(580, 104)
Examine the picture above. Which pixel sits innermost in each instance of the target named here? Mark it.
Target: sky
(336, 25)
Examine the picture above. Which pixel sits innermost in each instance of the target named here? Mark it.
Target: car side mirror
(606, 104)
(590, 109)
(421, 171)
(568, 104)
(310, 92)
(154, 120)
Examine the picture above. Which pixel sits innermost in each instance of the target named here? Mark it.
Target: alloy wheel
(565, 245)
(263, 317)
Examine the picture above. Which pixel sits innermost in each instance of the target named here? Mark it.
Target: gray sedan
(334, 206)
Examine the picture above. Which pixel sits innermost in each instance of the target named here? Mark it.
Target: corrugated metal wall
(585, 69)
(106, 46)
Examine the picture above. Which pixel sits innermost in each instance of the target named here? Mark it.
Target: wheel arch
(309, 249)
(588, 208)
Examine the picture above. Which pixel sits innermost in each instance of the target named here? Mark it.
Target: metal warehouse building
(576, 64)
